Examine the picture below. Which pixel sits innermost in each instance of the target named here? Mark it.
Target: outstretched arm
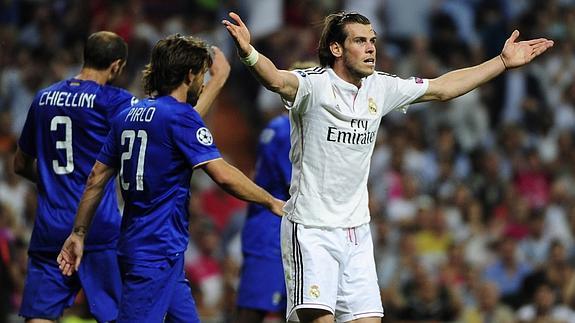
(219, 72)
(71, 254)
(459, 82)
(282, 82)
(236, 183)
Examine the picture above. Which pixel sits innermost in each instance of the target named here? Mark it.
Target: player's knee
(314, 315)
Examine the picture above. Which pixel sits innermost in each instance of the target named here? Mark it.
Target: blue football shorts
(262, 285)
(156, 291)
(47, 292)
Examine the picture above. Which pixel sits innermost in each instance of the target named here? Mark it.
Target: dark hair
(334, 31)
(172, 58)
(103, 48)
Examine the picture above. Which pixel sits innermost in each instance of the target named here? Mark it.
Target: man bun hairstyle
(334, 32)
(103, 48)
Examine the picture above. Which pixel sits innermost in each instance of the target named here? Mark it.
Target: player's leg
(99, 275)
(261, 289)
(313, 315)
(311, 267)
(248, 315)
(46, 291)
(367, 320)
(182, 306)
(147, 289)
(359, 298)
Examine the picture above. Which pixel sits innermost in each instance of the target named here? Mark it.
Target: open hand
(71, 255)
(239, 33)
(515, 54)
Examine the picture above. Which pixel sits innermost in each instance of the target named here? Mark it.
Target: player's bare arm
(282, 82)
(236, 183)
(514, 54)
(71, 254)
(25, 166)
(219, 72)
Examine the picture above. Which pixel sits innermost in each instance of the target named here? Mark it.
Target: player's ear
(117, 66)
(336, 49)
(189, 77)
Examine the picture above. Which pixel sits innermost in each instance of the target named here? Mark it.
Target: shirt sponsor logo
(358, 135)
(204, 136)
(418, 80)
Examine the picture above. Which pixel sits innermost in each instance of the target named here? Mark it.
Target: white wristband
(252, 58)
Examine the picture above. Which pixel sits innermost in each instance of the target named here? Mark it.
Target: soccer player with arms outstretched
(335, 111)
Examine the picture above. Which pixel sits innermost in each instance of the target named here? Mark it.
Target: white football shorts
(332, 269)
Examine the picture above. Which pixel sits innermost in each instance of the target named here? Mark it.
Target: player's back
(153, 146)
(261, 232)
(65, 129)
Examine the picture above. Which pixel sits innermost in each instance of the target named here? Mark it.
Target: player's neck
(345, 74)
(90, 74)
(180, 93)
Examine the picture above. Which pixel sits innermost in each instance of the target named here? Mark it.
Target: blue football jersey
(65, 128)
(155, 145)
(261, 231)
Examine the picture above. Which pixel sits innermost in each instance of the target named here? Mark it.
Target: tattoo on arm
(81, 230)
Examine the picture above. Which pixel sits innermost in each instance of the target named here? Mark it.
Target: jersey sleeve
(119, 102)
(27, 141)
(300, 103)
(193, 138)
(401, 92)
(109, 154)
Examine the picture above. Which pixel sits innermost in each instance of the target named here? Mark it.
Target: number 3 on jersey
(65, 144)
(130, 135)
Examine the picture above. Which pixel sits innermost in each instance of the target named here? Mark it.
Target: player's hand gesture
(220, 68)
(515, 54)
(239, 33)
(277, 207)
(71, 254)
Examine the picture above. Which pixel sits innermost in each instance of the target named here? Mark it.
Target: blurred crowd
(472, 200)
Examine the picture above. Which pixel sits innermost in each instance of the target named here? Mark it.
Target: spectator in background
(544, 308)
(205, 271)
(532, 180)
(507, 271)
(534, 248)
(488, 307)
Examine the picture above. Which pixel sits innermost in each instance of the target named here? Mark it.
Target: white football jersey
(333, 131)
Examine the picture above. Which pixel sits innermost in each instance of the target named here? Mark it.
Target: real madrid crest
(314, 291)
(371, 106)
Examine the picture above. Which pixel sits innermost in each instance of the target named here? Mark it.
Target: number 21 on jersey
(130, 136)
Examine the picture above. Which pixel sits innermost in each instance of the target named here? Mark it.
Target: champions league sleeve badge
(371, 106)
(204, 136)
